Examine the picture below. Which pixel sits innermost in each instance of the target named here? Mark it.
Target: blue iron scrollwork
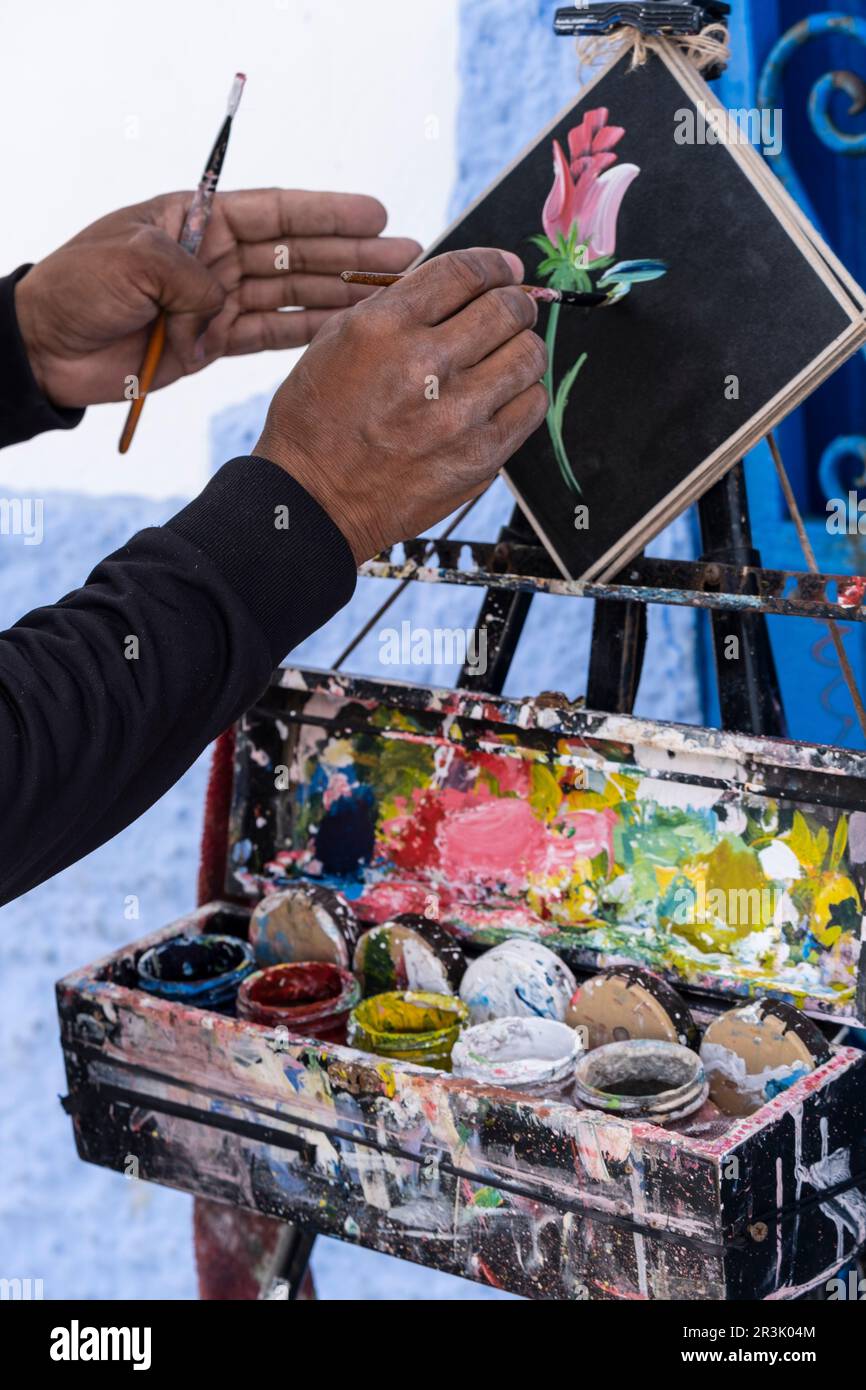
(769, 97)
(820, 98)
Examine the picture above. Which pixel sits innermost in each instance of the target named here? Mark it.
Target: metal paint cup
(410, 1026)
(642, 1079)
(204, 971)
(313, 998)
(533, 1055)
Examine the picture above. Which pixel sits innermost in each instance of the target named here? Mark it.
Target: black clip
(647, 16)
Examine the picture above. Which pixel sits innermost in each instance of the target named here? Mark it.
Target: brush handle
(573, 298)
(191, 237)
(152, 355)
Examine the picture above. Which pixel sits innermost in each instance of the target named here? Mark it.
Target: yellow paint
(545, 794)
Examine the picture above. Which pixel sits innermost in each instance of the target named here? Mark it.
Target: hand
(406, 406)
(85, 311)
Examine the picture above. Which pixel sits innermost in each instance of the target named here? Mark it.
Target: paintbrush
(191, 236)
(576, 299)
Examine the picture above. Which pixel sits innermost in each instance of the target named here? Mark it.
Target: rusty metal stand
(750, 700)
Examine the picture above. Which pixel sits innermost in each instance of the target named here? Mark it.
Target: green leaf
(544, 244)
(564, 389)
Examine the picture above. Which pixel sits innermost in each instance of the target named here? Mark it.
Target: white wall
(338, 96)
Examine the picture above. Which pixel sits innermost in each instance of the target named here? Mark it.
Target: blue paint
(782, 1083)
(203, 971)
(346, 836)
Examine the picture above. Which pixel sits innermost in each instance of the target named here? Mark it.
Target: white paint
(682, 795)
(525, 1053)
(721, 1061)
(779, 861)
(424, 969)
(338, 96)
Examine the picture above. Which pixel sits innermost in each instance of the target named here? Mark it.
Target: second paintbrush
(592, 299)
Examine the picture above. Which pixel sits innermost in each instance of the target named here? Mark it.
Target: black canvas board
(653, 400)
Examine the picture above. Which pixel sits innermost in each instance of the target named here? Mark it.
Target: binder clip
(661, 18)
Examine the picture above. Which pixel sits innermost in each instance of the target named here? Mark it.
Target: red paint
(311, 998)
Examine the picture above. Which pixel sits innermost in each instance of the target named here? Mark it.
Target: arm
(24, 409)
(106, 697)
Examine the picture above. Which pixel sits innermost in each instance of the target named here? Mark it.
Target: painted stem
(582, 283)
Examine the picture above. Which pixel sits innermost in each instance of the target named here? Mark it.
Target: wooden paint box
(608, 837)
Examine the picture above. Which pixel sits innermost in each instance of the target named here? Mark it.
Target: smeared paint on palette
(696, 854)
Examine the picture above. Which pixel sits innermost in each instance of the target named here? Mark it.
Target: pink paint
(481, 839)
(851, 594)
(496, 840)
(382, 901)
(338, 786)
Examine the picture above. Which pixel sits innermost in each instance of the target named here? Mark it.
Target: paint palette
(387, 785)
(727, 865)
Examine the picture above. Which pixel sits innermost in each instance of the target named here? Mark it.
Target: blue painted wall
(832, 189)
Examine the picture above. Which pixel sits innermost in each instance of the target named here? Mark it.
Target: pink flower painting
(579, 242)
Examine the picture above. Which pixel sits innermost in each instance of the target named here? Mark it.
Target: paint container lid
(642, 1079)
(629, 1002)
(515, 979)
(754, 1052)
(532, 1054)
(409, 952)
(204, 970)
(305, 921)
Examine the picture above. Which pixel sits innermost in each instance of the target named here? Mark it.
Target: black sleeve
(109, 695)
(24, 411)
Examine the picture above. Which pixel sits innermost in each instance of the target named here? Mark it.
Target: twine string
(710, 48)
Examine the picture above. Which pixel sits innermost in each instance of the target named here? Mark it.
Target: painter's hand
(85, 311)
(407, 405)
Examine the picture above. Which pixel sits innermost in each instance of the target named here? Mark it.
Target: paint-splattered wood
(543, 1199)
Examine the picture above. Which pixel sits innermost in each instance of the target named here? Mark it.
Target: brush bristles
(236, 92)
